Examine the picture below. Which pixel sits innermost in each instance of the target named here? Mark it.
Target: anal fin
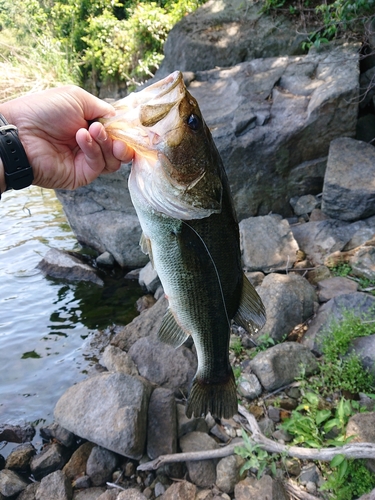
(251, 313)
(170, 331)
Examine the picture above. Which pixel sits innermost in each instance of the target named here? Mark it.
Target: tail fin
(219, 399)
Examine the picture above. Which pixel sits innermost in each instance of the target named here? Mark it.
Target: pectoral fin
(251, 313)
(145, 244)
(170, 332)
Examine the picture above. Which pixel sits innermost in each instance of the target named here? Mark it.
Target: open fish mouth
(147, 119)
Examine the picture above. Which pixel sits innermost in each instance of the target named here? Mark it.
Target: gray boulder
(100, 465)
(358, 303)
(202, 472)
(164, 365)
(267, 243)
(332, 287)
(59, 264)
(226, 33)
(364, 347)
(285, 108)
(56, 485)
(11, 483)
(102, 217)
(288, 109)
(110, 410)
(264, 488)
(162, 423)
(319, 239)
(363, 262)
(147, 324)
(349, 191)
(281, 364)
(289, 301)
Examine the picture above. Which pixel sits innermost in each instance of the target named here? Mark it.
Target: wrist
(2, 178)
(16, 170)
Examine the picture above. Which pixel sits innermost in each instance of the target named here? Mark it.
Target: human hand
(64, 151)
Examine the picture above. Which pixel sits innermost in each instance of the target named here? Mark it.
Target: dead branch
(351, 450)
(297, 493)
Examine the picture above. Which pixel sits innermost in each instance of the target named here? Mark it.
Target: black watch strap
(17, 170)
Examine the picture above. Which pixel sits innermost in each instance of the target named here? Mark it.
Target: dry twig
(351, 450)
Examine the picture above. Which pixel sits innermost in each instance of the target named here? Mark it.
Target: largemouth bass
(181, 194)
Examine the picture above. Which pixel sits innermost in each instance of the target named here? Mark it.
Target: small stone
(159, 489)
(19, 458)
(304, 204)
(145, 302)
(55, 431)
(162, 423)
(131, 494)
(105, 259)
(182, 490)
(117, 360)
(29, 492)
(228, 472)
(129, 469)
(82, 482)
(62, 265)
(274, 414)
(310, 474)
(186, 425)
(219, 433)
(281, 435)
(202, 472)
(100, 465)
(310, 487)
(56, 485)
(332, 287)
(293, 467)
(249, 386)
(16, 433)
(11, 483)
(255, 277)
(89, 493)
(267, 426)
(76, 466)
(53, 457)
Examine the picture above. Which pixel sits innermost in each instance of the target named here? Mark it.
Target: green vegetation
(83, 41)
(317, 427)
(334, 18)
(340, 371)
(348, 479)
(256, 457)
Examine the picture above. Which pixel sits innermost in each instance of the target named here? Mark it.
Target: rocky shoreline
(304, 189)
(130, 410)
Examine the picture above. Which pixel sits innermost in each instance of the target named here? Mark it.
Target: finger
(89, 162)
(122, 151)
(99, 134)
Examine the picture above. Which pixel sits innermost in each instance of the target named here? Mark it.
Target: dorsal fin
(251, 313)
(170, 331)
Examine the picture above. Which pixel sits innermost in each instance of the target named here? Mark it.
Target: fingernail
(102, 135)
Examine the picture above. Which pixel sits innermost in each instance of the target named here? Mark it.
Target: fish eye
(194, 122)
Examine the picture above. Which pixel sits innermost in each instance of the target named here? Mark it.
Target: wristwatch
(17, 171)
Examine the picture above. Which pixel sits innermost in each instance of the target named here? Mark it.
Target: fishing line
(213, 263)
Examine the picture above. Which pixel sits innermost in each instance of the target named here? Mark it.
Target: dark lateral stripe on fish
(219, 399)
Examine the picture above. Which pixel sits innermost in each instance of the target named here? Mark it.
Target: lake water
(47, 327)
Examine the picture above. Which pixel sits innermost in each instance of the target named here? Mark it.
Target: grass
(31, 68)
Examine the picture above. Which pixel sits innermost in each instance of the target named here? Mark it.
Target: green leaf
(322, 415)
(342, 469)
(337, 460)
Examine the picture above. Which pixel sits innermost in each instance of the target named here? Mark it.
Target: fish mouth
(144, 120)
